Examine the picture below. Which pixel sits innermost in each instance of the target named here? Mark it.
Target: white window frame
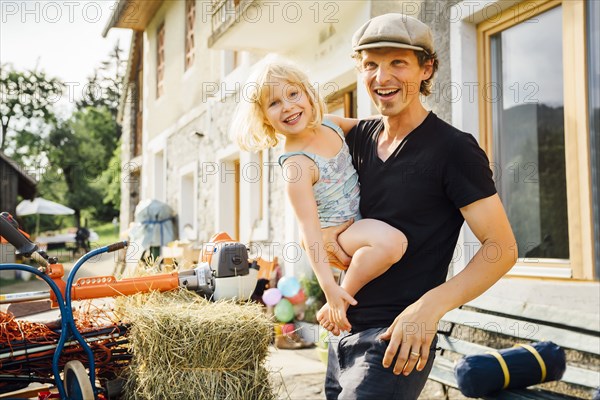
(158, 149)
(233, 79)
(225, 193)
(184, 174)
(255, 213)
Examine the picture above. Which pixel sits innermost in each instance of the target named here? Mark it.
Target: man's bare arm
(414, 329)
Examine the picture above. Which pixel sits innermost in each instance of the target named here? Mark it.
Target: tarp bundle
(185, 347)
(518, 367)
(153, 224)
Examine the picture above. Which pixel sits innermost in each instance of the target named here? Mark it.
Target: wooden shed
(14, 182)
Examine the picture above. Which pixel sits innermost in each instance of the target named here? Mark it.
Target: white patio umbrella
(39, 206)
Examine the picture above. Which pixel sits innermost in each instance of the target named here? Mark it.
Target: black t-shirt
(418, 190)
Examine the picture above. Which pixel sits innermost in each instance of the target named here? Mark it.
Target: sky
(62, 38)
(533, 43)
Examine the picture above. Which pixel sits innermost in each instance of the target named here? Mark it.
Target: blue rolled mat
(518, 367)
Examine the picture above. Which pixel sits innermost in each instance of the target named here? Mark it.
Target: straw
(185, 347)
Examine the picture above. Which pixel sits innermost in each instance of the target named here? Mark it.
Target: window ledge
(548, 299)
(540, 272)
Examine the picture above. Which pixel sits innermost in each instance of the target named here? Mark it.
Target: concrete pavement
(300, 371)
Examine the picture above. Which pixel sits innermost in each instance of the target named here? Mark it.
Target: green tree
(105, 86)
(110, 181)
(26, 104)
(81, 148)
(73, 154)
(105, 89)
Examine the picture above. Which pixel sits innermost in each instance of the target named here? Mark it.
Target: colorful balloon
(278, 328)
(284, 311)
(271, 296)
(289, 286)
(287, 329)
(298, 298)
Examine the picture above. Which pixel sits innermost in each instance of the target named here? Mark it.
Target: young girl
(320, 180)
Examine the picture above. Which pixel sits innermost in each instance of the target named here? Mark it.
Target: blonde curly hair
(250, 128)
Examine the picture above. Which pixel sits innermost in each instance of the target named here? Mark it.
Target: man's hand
(410, 336)
(330, 241)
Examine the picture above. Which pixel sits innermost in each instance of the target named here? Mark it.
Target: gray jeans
(355, 372)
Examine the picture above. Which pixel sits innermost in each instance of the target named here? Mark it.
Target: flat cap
(393, 30)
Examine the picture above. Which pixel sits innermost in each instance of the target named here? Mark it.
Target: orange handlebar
(108, 286)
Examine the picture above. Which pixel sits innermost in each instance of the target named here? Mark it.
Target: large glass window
(529, 131)
(535, 63)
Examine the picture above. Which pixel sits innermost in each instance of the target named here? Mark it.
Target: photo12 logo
(54, 11)
(245, 91)
(271, 11)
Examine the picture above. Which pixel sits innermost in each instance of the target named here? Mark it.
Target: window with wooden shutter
(190, 18)
(160, 60)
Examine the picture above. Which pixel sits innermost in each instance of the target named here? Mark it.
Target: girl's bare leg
(374, 246)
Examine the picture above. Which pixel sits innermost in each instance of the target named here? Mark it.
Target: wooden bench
(490, 324)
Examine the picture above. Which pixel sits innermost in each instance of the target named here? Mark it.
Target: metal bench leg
(446, 392)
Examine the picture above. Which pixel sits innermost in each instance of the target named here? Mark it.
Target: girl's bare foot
(323, 318)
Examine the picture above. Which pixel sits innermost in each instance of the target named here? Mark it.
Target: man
(425, 178)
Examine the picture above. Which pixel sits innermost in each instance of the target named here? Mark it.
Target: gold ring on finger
(415, 354)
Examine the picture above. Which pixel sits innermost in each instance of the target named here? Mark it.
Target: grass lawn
(107, 234)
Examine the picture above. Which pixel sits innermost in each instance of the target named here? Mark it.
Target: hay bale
(185, 347)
